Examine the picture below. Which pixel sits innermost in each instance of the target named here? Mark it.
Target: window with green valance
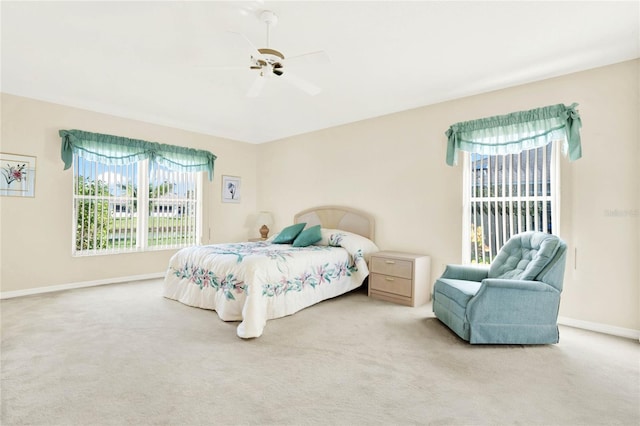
(517, 132)
(118, 150)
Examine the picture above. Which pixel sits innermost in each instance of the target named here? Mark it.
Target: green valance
(517, 132)
(119, 150)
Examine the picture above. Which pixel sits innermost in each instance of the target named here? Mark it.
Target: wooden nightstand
(400, 277)
(254, 240)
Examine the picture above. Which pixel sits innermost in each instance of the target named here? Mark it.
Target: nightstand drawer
(395, 285)
(395, 267)
(399, 277)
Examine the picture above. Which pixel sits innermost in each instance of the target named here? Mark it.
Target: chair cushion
(524, 256)
(460, 291)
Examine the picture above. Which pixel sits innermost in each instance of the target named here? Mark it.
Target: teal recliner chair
(513, 301)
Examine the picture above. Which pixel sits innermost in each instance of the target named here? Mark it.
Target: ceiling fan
(270, 63)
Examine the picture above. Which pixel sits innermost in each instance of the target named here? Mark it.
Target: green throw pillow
(288, 234)
(308, 237)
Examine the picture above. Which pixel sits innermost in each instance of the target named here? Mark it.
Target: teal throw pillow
(308, 237)
(288, 234)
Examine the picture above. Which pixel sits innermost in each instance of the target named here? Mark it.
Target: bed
(254, 282)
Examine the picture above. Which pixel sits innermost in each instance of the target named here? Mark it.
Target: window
(511, 174)
(133, 195)
(505, 195)
(134, 207)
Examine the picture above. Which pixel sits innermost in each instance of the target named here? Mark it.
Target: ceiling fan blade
(254, 50)
(223, 67)
(300, 83)
(312, 58)
(256, 86)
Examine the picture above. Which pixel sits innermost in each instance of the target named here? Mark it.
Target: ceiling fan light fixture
(266, 72)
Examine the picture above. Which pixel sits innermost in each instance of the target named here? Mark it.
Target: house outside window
(505, 195)
(141, 206)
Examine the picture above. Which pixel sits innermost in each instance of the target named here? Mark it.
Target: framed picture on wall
(230, 189)
(18, 175)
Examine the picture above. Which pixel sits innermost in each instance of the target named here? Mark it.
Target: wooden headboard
(337, 217)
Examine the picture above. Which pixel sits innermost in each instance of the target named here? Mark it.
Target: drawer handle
(388, 279)
(389, 262)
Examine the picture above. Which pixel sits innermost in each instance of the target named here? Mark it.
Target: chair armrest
(504, 301)
(466, 272)
(518, 285)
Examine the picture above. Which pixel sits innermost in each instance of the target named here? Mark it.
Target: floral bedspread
(255, 282)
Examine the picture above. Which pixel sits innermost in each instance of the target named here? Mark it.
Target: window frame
(143, 216)
(554, 169)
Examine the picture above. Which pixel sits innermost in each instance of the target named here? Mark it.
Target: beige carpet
(122, 354)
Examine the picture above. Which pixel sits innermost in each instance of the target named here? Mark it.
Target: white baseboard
(600, 328)
(49, 289)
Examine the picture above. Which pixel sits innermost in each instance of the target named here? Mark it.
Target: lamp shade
(264, 218)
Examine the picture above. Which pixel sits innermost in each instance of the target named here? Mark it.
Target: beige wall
(36, 232)
(394, 168)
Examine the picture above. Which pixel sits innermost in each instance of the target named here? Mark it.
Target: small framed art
(18, 175)
(230, 189)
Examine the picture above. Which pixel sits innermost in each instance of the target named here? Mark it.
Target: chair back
(531, 255)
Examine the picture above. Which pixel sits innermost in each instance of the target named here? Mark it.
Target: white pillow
(349, 241)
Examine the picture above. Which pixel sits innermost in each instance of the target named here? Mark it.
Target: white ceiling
(148, 60)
